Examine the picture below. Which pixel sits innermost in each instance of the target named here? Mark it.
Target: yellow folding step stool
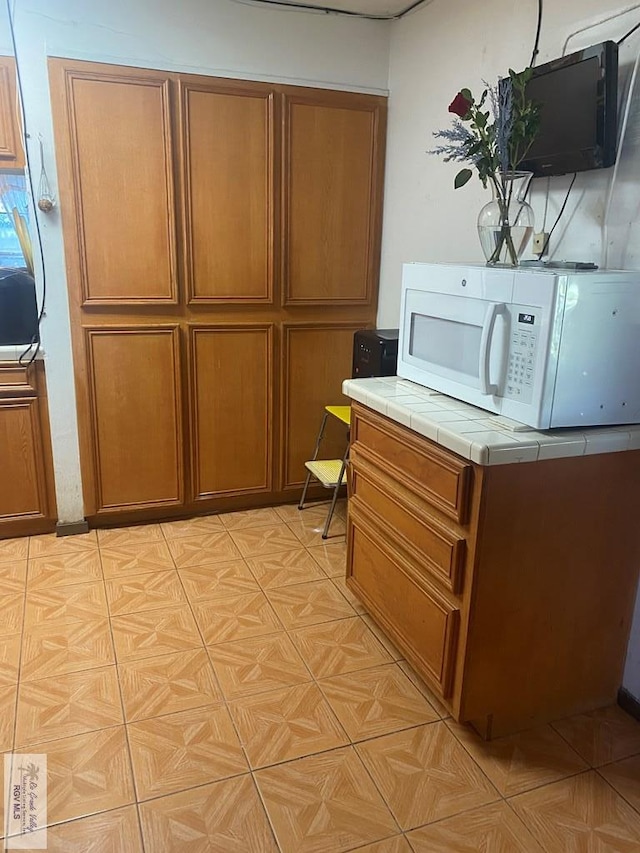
(329, 472)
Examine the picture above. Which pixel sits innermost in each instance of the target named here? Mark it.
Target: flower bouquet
(494, 135)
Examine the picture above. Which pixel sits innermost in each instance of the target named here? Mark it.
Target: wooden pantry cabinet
(27, 498)
(222, 241)
(510, 588)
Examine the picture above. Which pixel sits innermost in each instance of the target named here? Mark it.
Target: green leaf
(463, 176)
(467, 94)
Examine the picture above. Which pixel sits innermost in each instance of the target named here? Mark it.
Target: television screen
(578, 112)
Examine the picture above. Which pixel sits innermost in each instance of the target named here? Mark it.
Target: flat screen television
(578, 97)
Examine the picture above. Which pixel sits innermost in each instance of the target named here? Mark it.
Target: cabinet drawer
(16, 380)
(436, 476)
(420, 620)
(434, 548)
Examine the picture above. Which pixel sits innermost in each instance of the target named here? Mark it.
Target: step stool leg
(313, 459)
(304, 490)
(334, 500)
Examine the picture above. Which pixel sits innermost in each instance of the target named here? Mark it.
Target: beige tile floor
(211, 685)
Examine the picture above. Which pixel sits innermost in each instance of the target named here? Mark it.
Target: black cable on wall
(25, 136)
(536, 43)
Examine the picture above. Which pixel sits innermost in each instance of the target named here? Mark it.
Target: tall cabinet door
(231, 385)
(136, 416)
(229, 194)
(333, 155)
(116, 157)
(316, 360)
(122, 170)
(332, 189)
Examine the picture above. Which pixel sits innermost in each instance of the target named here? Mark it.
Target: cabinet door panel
(437, 550)
(316, 360)
(430, 472)
(332, 202)
(123, 185)
(11, 152)
(231, 409)
(134, 376)
(229, 192)
(22, 487)
(423, 623)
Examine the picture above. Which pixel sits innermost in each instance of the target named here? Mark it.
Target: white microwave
(547, 348)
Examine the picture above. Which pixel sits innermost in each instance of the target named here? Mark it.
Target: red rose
(460, 105)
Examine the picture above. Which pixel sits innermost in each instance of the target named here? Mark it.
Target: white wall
(435, 52)
(445, 46)
(216, 37)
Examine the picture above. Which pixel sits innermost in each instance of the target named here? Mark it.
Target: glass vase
(505, 224)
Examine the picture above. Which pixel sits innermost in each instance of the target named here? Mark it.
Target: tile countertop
(11, 353)
(479, 435)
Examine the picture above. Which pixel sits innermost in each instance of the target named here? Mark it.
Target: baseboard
(71, 528)
(629, 703)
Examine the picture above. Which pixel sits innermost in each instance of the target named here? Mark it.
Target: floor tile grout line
(509, 797)
(558, 732)
(634, 754)
(468, 752)
(20, 654)
(71, 820)
(368, 844)
(402, 829)
(215, 677)
(377, 787)
(204, 644)
(597, 770)
(197, 786)
(531, 830)
(132, 774)
(266, 811)
(503, 796)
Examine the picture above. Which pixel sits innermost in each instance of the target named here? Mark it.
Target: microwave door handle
(493, 310)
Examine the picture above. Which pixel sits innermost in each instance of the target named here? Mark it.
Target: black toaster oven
(18, 308)
(375, 352)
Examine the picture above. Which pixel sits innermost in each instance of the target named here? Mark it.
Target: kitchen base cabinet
(509, 588)
(27, 501)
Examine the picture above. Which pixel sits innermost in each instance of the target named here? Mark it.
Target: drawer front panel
(16, 380)
(438, 477)
(423, 623)
(438, 551)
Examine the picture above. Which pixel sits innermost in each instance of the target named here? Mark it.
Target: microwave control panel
(522, 353)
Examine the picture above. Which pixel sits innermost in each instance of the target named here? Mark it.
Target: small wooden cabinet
(510, 588)
(11, 148)
(27, 501)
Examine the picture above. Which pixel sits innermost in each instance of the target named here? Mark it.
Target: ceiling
(382, 8)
